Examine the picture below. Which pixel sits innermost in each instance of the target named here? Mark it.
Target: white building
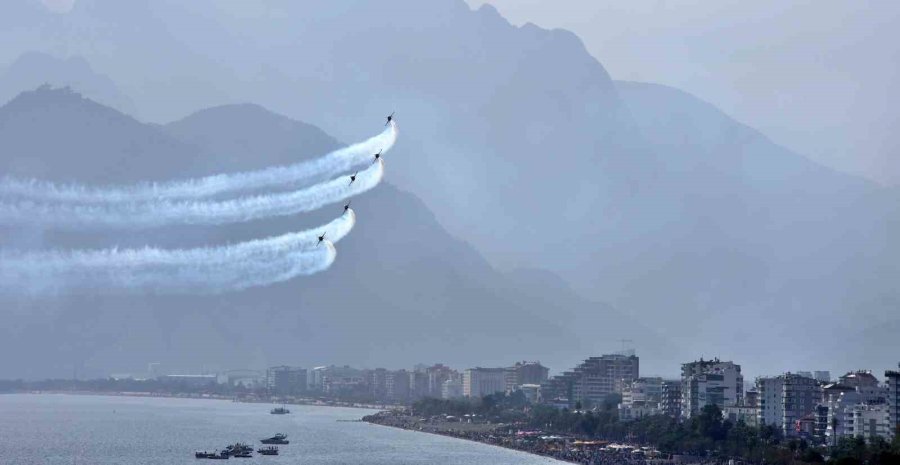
(840, 415)
(771, 404)
(643, 391)
(315, 379)
(710, 382)
(870, 421)
(479, 382)
(786, 399)
(641, 398)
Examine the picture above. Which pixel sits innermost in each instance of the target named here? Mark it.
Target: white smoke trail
(200, 270)
(291, 176)
(212, 212)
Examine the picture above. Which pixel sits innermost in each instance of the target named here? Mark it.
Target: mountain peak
(48, 94)
(490, 12)
(47, 133)
(32, 69)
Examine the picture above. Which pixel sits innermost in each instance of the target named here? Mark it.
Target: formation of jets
(353, 178)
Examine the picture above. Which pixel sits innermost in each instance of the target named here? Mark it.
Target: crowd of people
(569, 449)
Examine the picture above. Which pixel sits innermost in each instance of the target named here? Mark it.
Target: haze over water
(63, 429)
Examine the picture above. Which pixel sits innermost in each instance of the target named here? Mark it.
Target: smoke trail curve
(199, 270)
(158, 214)
(290, 176)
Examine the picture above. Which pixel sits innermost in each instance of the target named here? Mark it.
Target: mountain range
(521, 144)
(397, 273)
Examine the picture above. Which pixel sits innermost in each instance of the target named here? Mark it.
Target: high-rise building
(418, 384)
(397, 386)
(770, 406)
(840, 413)
(593, 380)
(799, 396)
(437, 374)
(641, 398)
(670, 400)
(315, 379)
(710, 382)
(643, 391)
(479, 382)
(831, 394)
(858, 397)
(285, 380)
(892, 382)
(377, 380)
(786, 399)
(870, 421)
(525, 373)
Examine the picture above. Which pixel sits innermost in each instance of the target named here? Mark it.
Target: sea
(61, 429)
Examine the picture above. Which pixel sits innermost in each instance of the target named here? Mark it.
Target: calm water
(65, 430)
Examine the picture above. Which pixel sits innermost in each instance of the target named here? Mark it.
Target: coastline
(313, 403)
(560, 448)
(447, 435)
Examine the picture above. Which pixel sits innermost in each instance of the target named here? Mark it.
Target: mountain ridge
(398, 265)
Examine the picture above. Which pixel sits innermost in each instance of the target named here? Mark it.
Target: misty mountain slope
(746, 230)
(33, 69)
(57, 134)
(255, 138)
(402, 290)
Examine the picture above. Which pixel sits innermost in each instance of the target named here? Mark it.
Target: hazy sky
(817, 76)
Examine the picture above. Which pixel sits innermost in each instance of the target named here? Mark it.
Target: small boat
(271, 450)
(211, 455)
(277, 439)
(279, 411)
(238, 450)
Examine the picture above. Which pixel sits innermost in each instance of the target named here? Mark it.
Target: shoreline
(500, 446)
(562, 449)
(140, 394)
